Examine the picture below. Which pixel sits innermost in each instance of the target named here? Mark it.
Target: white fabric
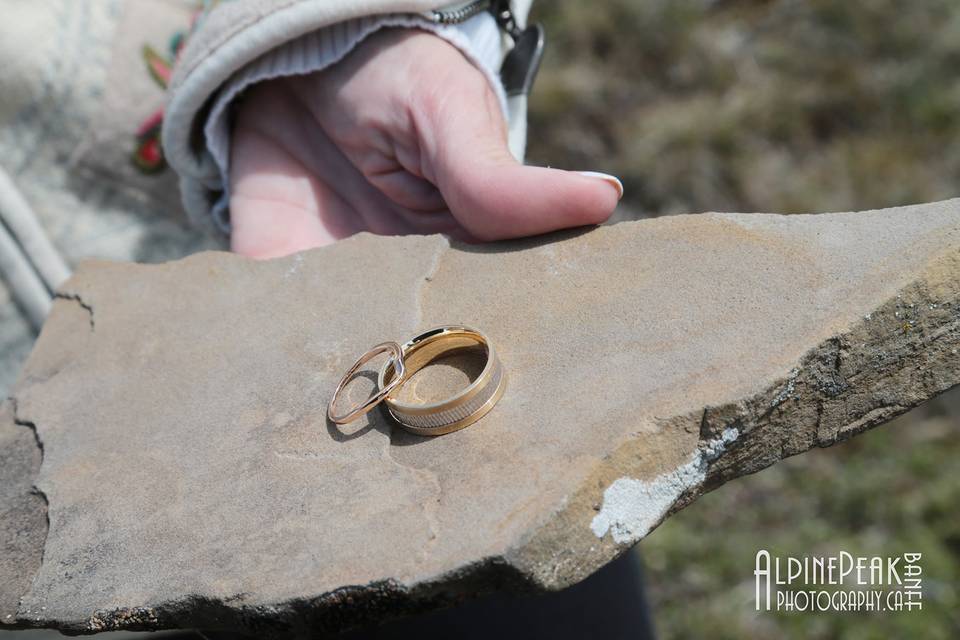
(517, 117)
(478, 38)
(20, 220)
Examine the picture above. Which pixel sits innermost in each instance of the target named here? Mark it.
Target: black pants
(611, 604)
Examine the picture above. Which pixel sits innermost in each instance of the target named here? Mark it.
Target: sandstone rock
(193, 481)
(23, 512)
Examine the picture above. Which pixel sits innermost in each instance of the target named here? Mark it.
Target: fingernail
(615, 181)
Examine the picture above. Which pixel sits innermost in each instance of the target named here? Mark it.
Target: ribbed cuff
(478, 39)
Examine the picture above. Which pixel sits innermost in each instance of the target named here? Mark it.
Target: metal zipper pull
(521, 64)
(504, 14)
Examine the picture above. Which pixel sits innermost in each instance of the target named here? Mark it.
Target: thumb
(494, 196)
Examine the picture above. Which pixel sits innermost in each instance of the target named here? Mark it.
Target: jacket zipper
(461, 13)
(520, 65)
(500, 9)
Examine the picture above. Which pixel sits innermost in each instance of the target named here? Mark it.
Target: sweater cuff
(478, 39)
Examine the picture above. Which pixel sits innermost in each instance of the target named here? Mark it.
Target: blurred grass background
(777, 106)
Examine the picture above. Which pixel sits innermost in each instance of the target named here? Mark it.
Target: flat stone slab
(192, 479)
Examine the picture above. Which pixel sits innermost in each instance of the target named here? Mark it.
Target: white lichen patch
(631, 507)
(786, 392)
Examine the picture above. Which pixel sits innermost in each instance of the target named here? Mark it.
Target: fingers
(291, 187)
(504, 199)
(280, 204)
(407, 190)
(276, 203)
(490, 193)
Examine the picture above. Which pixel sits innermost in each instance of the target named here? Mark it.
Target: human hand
(402, 136)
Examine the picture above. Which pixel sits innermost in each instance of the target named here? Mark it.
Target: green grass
(784, 106)
(886, 492)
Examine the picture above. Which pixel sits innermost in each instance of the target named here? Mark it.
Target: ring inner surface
(440, 369)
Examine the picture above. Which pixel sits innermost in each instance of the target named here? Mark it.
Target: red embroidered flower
(148, 154)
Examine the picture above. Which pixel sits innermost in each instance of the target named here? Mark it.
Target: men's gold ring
(463, 408)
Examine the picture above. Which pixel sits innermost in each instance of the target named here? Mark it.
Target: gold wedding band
(434, 418)
(462, 409)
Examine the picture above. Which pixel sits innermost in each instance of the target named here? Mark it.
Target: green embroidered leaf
(158, 66)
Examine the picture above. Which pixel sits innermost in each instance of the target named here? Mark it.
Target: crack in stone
(17, 420)
(442, 248)
(35, 490)
(79, 300)
(705, 424)
(428, 506)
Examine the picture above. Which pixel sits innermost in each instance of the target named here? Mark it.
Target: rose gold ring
(395, 362)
